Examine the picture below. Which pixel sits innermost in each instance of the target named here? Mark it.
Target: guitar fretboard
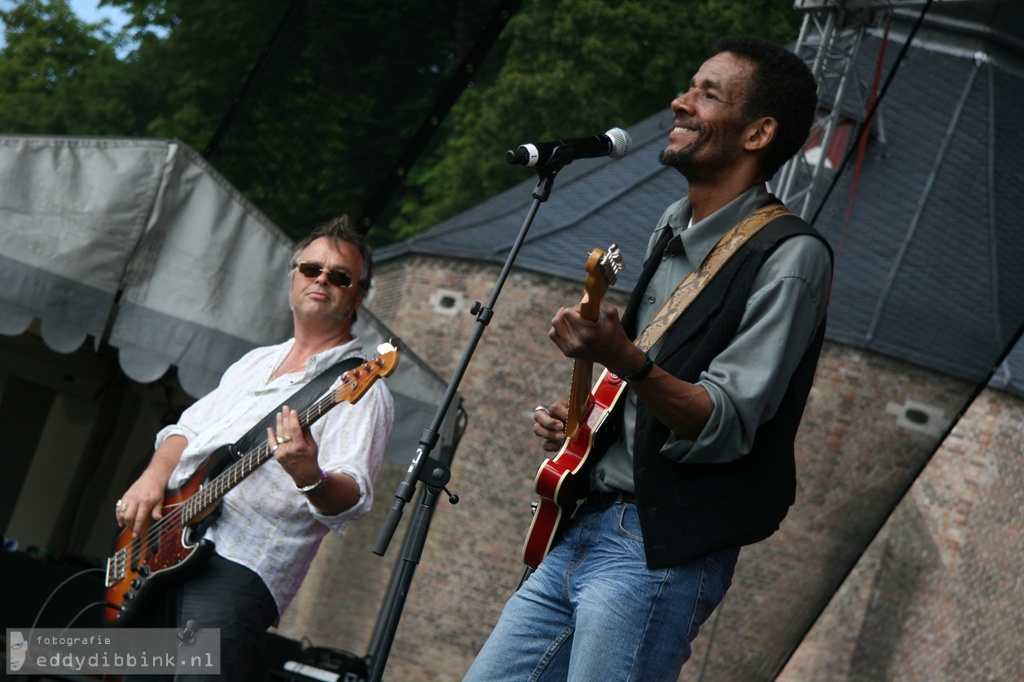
(211, 492)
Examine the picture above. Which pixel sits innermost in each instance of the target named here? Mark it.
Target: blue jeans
(593, 611)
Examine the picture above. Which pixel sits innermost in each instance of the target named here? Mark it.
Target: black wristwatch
(641, 372)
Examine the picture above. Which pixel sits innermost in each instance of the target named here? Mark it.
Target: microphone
(614, 143)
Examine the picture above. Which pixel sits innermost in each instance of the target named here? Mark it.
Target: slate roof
(593, 202)
(929, 261)
(928, 265)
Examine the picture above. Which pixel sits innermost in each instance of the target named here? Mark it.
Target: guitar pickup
(136, 553)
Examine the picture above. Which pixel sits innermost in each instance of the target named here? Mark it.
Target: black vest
(688, 510)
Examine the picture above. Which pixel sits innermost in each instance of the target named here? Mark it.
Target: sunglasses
(335, 277)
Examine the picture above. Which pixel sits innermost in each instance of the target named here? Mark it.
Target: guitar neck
(212, 492)
(579, 393)
(582, 370)
(602, 271)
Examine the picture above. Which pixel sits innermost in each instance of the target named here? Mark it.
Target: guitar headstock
(603, 268)
(611, 264)
(357, 381)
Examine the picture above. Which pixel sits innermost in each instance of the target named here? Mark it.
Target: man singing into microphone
(701, 456)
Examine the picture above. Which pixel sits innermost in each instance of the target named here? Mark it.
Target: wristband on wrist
(641, 372)
(313, 487)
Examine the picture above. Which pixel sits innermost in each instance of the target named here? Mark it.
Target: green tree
(305, 105)
(182, 65)
(54, 69)
(338, 98)
(572, 65)
(189, 62)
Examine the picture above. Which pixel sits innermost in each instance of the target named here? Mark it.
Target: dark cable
(55, 590)
(871, 112)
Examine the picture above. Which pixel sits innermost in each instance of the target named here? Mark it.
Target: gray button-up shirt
(746, 381)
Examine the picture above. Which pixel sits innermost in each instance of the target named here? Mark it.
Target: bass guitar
(171, 548)
(563, 482)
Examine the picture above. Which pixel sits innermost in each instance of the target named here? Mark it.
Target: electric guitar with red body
(171, 548)
(563, 481)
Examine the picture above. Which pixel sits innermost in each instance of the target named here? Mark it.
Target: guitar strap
(300, 401)
(688, 289)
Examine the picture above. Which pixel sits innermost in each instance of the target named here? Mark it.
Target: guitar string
(215, 488)
(260, 453)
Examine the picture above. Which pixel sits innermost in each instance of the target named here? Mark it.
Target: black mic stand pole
(436, 477)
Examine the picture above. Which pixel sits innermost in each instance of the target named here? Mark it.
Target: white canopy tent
(139, 246)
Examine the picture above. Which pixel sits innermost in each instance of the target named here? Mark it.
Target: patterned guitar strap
(692, 285)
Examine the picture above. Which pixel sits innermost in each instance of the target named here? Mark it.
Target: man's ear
(760, 134)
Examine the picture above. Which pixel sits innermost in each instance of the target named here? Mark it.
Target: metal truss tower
(829, 40)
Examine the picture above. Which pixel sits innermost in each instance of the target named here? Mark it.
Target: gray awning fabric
(142, 243)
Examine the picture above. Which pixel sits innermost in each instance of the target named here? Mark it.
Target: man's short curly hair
(783, 88)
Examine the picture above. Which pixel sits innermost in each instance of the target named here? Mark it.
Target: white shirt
(265, 523)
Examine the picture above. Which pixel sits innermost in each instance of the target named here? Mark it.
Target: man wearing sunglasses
(271, 525)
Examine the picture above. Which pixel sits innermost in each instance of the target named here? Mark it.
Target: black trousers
(230, 597)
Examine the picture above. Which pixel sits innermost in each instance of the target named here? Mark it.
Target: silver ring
(541, 408)
(274, 449)
(121, 506)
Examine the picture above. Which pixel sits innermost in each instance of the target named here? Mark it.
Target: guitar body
(563, 482)
(161, 555)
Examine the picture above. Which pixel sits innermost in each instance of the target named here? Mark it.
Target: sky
(91, 12)
(87, 10)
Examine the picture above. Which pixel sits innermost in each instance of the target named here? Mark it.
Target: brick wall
(872, 424)
(939, 594)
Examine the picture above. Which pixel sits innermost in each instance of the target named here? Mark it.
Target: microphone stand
(436, 476)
